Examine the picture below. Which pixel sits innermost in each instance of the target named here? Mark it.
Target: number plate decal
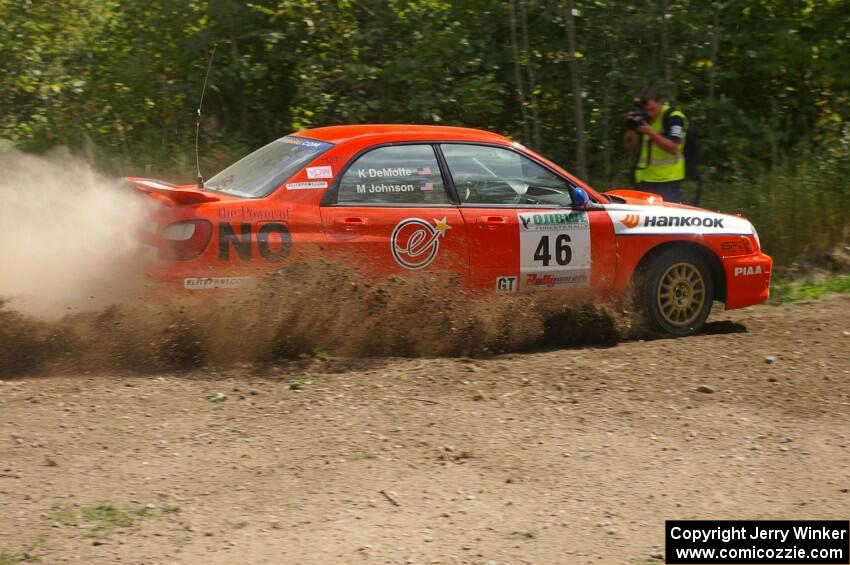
(554, 250)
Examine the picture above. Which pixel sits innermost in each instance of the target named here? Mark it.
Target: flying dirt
(307, 309)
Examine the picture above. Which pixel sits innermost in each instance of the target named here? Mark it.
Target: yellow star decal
(442, 225)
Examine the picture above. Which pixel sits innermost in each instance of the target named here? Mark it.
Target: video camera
(636, 118)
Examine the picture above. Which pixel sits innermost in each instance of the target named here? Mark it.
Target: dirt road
(564, 456)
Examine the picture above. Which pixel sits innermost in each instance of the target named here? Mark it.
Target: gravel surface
(560, 456)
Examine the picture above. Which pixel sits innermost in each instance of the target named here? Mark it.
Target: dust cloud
(67, 233)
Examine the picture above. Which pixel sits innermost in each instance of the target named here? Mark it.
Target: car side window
(398, 174)
(491, 175)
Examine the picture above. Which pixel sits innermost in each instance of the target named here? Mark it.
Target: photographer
(660, 130)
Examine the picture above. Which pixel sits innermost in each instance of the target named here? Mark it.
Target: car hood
(635, 196)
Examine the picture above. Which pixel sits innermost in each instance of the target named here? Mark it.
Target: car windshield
(259, 173)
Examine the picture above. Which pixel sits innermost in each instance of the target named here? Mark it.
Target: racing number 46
(563, 252)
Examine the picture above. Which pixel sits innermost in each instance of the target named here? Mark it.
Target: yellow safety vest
(655, 164)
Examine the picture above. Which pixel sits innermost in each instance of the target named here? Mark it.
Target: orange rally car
(466, 203)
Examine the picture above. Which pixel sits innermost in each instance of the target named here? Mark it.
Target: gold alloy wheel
(681, 294)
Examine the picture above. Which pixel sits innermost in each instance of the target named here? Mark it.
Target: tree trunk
(575, 79)
(606, 130)
(526, 140)
(237, 62)
(665, 48)
(532, 84)
(715, 49)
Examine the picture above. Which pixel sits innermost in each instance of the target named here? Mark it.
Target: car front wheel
(677, 293)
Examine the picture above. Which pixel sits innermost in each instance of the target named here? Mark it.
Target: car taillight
(185, 240)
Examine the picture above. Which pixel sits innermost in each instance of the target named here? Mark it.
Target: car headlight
(756, 235)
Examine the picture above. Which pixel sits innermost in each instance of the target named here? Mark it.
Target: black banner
(757, 542)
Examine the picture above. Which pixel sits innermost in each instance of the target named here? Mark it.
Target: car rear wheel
(677, 293)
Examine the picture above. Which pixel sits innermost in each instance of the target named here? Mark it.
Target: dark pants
(669, 191)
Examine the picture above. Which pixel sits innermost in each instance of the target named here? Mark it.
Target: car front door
(523, 233)
(391, 213)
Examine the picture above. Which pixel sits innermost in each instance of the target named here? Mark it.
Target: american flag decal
(425, 185)
(423, 170)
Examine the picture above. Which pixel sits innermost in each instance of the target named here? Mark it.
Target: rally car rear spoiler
(185, 195)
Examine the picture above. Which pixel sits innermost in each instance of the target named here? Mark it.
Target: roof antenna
(198, 121)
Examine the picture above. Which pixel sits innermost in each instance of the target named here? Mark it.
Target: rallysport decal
(554, 250)
(415, 242)
(660, 220)
(307, 185)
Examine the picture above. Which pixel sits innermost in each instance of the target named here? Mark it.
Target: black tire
(676, 293)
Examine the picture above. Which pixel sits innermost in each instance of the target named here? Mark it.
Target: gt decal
(554, 250)
(506, 284)
(274, 242)
(415, 243)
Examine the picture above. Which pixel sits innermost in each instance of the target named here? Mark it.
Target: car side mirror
(580, 199)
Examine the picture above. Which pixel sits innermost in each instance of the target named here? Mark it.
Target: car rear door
(523, 233)
(390, 212)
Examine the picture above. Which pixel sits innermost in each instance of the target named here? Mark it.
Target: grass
(788, 292)
(15, 558)
(799, 207)
(300, 384)
(9, 558)
(106, 518)
(65, 514)
(39, 544)
(103, 517)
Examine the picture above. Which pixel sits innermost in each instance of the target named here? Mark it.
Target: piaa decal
(748, 271)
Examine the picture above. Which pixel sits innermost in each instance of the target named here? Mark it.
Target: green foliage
(300, 384)
(784, 291)
(768, 81)
(101, 519)
(65, 514)
(798, 206)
